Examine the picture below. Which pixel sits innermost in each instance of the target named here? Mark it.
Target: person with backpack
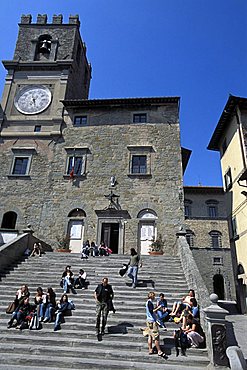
(103, 295)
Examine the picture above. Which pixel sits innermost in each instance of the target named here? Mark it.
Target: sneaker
(46, 319)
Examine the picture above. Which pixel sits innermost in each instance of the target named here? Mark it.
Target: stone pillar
(216, 332)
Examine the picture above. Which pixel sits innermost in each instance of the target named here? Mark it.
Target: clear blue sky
(195, 49)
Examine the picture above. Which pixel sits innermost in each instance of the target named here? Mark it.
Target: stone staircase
(76, 346)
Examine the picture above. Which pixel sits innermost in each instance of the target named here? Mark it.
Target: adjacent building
(230, 140)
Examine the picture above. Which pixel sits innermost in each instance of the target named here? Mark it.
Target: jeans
(162, 315)
(49, 312)
(58, 319)
(101, 309)
(67, 285)
(132, 274)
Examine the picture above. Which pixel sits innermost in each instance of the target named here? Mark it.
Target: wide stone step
(75, 346)
(55, 362)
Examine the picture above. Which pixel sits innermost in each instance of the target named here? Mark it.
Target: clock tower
(49, 65)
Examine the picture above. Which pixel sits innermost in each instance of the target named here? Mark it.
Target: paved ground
(239, 323)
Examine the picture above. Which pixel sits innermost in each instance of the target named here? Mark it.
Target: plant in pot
(63, 244)
(157, 245)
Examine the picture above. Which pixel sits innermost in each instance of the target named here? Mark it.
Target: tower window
(37, 128)
(139, 117)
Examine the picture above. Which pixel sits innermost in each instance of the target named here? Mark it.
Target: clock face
(32, 99)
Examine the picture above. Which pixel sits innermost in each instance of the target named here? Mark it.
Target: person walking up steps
(103, 296)
(134, 263)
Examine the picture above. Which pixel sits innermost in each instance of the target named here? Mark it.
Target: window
(234, 231)
(76, 162)
(228, 179)
(139, 117)
(217, 260)
(139, 164)
(140, 160)
(20, 166)
(216, 241)
(37, 128)
(80, 121)
(212, 207)
(76, 165)
(21, 161)
(190, 237)
(212, 211)
(187, 208)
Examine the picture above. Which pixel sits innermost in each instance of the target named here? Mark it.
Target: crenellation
(42, 19)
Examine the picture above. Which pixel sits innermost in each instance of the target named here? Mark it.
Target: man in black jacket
(103, 295)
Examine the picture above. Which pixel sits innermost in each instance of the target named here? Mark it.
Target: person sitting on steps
(80, 281)
(21, 315)
(63, 308)
(179, 306)
(49, 305)
(37, 249)
(68, 280)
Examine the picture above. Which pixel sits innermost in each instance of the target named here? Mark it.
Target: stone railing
(12, 252)
(192, 273)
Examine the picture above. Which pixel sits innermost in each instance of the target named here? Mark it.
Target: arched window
(187, 208)
(215, 239)
(190, 237)
(212, 208)
(218, 283)
(9, 220)
(77, 212)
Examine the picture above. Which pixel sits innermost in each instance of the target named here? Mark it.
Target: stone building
(107, 169)
(207, 234)
(103, 169)
(230, 140)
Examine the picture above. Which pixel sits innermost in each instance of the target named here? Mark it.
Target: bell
(44, 46)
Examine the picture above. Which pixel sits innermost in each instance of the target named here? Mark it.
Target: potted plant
(63, 244)
(156, 247)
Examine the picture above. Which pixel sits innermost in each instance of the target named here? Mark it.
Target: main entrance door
(110, 235)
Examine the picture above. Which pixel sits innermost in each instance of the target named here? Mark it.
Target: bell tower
(49, 65)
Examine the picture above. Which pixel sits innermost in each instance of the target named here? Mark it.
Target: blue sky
(195, 49)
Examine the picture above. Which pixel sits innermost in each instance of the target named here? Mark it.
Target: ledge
(140, 175)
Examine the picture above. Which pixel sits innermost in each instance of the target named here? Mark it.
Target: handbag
(123, 270)
(11, 307)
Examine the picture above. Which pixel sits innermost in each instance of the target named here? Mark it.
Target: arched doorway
(219, 288)
(76, 229)
(147, 229)
(9, 220)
